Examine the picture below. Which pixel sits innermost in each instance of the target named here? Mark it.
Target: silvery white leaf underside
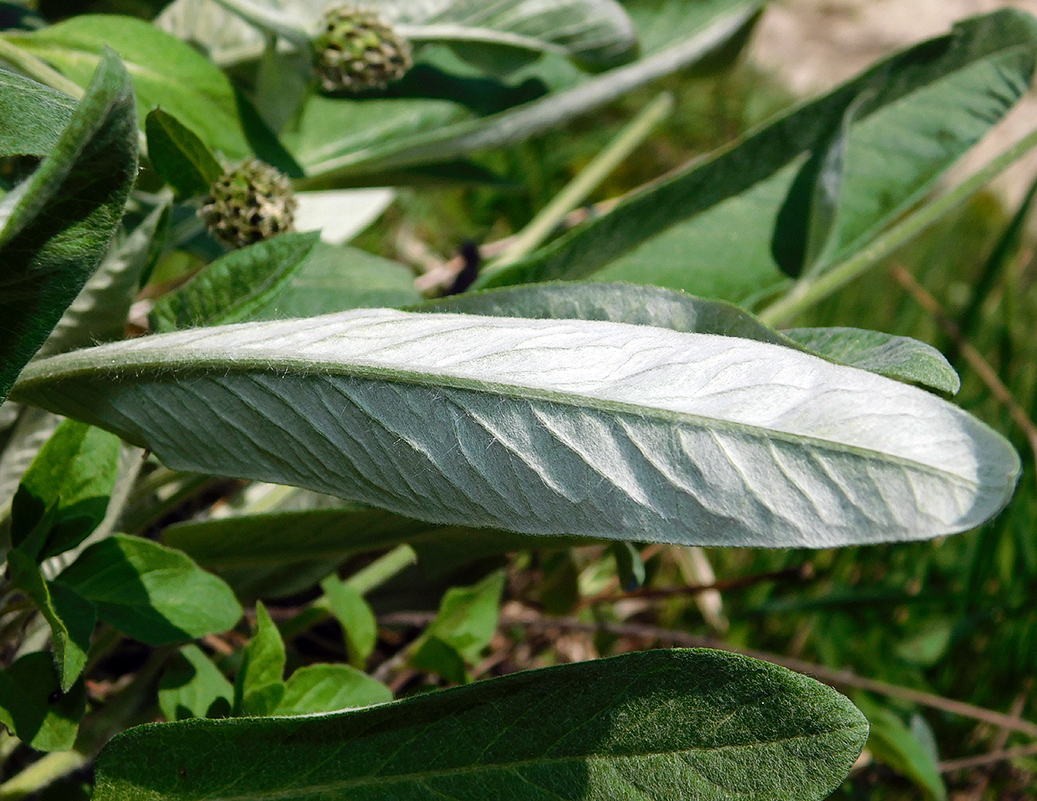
(548, 427)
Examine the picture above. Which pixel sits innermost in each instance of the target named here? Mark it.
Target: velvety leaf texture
(82, 184)
(548, 427)
(33, 116)
(200, 96)
(897, 357)
(653, 725)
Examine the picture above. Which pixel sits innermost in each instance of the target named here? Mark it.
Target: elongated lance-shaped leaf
(194, 90)
(707, 228)
(596, 33)
(69, 208)
(278, 538)
(897, 357)
(651, 725)
(548, 427)
(336, 165)
(33, 116)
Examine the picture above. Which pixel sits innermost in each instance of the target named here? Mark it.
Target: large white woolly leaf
(548, 427)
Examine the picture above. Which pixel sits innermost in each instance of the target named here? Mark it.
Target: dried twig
(983, 760)
(974, 358)
(836, 678)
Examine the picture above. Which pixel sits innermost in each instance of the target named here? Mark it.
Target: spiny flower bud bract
(248, 203)
(357, 51)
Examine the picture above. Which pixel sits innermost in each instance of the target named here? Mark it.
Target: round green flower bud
(357, 51)
(248, 203)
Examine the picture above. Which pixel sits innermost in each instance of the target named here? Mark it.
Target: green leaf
(680, 231)
(233, 287)
(32, 116)
(149, 592)
(548, 427)
(629, 567)
(462, 629)
(193, 687)
(33, 706)
(373, 149)
(335, 278)
(902, 358)
(596, 33)
(98, 314)
(166, 72)
(258, 688)
(652, 725)
(73, 475)
(807, 225)
(892, 743)
(359, 627)
(83, 183)
(179, 157)
(251, 541)
(330, 688)
(896, 357)
(71, 618)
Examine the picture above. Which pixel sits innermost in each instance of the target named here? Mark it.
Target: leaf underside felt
(652, 725)
(896, 357)
(548, 427)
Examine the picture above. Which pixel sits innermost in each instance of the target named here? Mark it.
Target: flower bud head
(357, 51)
(248, 203)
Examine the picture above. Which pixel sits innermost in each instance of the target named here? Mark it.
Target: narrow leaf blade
(85, 181)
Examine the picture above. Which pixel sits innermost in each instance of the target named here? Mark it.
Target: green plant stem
(363, 581)
(806, 294)
(37, 69)
(41, 773)
(269, 20)
(576, 191)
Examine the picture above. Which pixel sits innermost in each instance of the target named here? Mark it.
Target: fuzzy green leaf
(83, 184)
(578, 427)
(32, 116)
(152, 593)
(897, 357)
(166, 72)
(707, 229)
(283, 538)
(421, 140)
(235, 286)
(652, 725)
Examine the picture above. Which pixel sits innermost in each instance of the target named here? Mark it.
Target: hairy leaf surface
(82, 184)
(707, 229)
(195, 91)
(651, 725)
(886, 354)
(548, 427)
